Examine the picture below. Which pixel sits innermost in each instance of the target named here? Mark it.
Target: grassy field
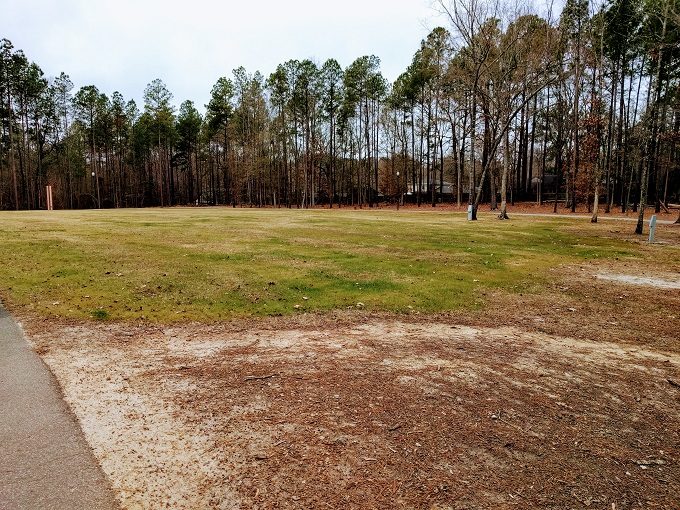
(441, 363)
(169, 265)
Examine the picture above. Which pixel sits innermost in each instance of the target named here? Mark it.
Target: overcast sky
(124, 44)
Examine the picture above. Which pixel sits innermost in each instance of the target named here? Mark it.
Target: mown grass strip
(167, 265)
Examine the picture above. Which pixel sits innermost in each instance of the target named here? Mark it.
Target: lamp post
(398, 190)
(96, 183)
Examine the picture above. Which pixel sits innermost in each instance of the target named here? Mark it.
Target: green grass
(167, 265)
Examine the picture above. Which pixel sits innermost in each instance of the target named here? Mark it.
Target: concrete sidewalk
(45, 462)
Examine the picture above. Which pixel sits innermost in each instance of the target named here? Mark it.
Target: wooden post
(48, 194)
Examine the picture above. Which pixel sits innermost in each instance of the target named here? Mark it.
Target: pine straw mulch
(411, 416)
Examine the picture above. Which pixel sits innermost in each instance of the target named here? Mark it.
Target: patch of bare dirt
(371, 414)
(574, 302)
(628, 279)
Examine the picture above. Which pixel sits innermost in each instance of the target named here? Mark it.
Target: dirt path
(378, 414)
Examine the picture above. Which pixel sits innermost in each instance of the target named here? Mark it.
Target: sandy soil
(371, 414)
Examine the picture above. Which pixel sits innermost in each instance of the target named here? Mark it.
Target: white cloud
(124, 44)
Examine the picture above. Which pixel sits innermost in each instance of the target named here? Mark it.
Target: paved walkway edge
(46, 461)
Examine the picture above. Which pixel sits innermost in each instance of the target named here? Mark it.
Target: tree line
(504, 105)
